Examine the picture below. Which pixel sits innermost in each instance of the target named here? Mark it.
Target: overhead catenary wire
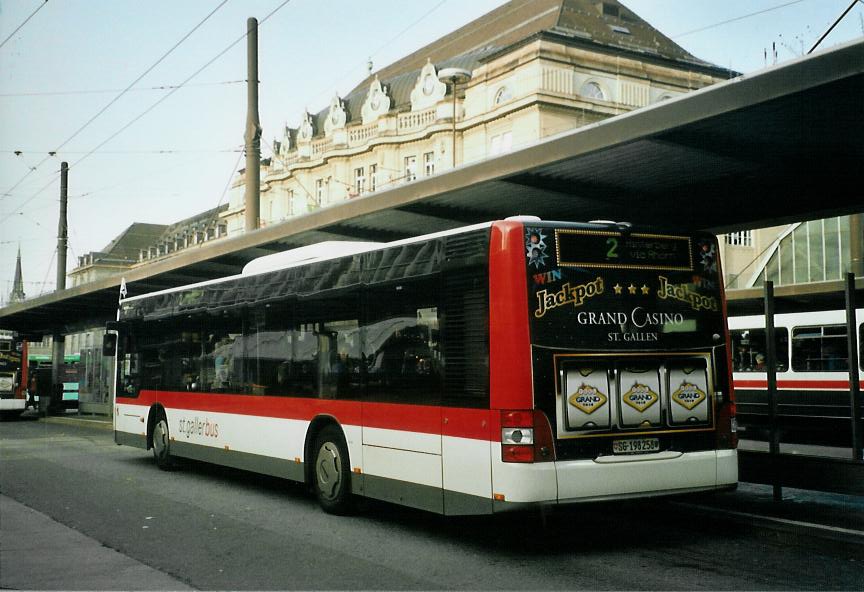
(735, 19)
(110, 90)
(116, 98)
(19, 27)
(831, 28)
(162, 99)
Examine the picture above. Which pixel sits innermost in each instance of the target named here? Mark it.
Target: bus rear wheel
(162, 444)
(331, 471)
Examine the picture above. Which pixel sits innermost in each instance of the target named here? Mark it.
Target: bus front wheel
(331, 471)
(162, 444)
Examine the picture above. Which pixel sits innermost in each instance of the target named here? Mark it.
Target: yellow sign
(640, 397)
(587, 399)
(689, 395)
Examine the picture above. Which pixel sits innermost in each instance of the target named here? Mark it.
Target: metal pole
(771, 371)
(454, 122)
(253, 129)
(55, 397)
(62, 228)
(854, 384)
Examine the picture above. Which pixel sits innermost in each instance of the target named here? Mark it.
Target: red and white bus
(812, 372)
(471, 371)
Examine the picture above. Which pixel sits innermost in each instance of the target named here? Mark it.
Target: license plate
(636, 446)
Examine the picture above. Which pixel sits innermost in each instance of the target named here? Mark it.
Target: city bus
(13, 374)
(494, 367)
(812, 373)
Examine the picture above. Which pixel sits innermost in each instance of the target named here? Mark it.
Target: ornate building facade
(537, 68)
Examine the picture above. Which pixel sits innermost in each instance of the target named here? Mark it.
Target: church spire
(17, 294)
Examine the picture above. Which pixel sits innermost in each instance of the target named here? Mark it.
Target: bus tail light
(526, 437)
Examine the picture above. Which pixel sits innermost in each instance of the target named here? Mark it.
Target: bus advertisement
(478, 370)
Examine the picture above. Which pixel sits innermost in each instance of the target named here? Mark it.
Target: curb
(846, 537)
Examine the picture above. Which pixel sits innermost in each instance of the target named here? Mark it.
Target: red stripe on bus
(278, 407)
(799, 384)
(475, 424)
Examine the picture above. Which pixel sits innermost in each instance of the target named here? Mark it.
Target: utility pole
(55, 398)
(856, 244)
(454, 76)
(253, 129)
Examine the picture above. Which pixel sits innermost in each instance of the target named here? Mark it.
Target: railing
(320, 147)
(417, 120)
(362, 134)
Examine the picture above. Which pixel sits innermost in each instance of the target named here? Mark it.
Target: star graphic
(617, 288)
(631, 288)
(645, 290)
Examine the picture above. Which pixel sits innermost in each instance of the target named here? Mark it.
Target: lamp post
(454, 76)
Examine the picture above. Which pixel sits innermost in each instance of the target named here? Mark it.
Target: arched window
(592, 90)
(503, 95)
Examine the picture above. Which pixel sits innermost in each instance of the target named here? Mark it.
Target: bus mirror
(109, 344)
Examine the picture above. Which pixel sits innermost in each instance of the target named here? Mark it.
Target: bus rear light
(517, 435)
(526, 437)
(516, 453)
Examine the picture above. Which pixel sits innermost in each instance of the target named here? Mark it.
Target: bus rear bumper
(611, 478)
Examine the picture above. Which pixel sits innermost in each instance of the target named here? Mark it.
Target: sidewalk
(77, 561)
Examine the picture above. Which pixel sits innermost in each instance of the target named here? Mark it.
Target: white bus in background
(812, 371)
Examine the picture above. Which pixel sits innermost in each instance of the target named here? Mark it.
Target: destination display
(615, 250)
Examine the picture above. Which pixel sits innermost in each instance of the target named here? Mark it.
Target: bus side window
(861, 346)
(326, 356)
(129, 367)
(402, 351)
(750, 351)
(269, 340)
(820, 349)
(222, 351)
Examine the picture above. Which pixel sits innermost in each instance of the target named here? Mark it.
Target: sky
(158, 153)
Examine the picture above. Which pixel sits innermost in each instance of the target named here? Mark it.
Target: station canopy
(781, 145)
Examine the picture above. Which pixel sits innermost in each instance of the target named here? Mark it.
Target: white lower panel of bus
(403, 465)
(467, 463)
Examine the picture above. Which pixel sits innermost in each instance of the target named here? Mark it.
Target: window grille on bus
(466, 348)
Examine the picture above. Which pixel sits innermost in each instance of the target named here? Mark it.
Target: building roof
(128, 244)
(605, 25)
(199, 221)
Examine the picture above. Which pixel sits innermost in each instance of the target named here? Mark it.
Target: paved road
(209, 528)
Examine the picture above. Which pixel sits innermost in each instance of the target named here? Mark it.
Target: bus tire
(162, 443)
(331, 472)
